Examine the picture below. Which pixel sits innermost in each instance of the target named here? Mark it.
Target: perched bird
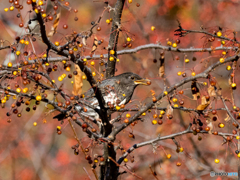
(116, 91)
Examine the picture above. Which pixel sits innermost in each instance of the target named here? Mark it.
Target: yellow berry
(6, 9)
(124, 95)
(162, 112)
(204, 83)
(221, 125)
(40, 3)
(75, 48)
(44, 15)
(111, 58)
(93, 73)
(84, 77)
(22, 41)
(219, 33)
(3, 101)
(186, 60)
(193, 74)
(72, 82)
(57, 43)
(14, 97)
(144, 114)
(128, 115)
(35, 123)
(233, 85)
(85, 59)
(216, 161)
(224, 53)
(174, 99)
(14, 73)
(237, 137)
(38, 98)
(125, 160)
(169, 43)
(18, 53)
(25, 90)
(60, 78)
(108, 21)
(47, 64)
(153, 28)
(174, 45)
(238, 155)
(175, 105)
(169, 156)
(92, 63)
(64, 62)
(53, 81)
(63, 75)
(18, 90)
(128, 39)
(179, 73)
(165, 92)
(11, 8)
(26, 42)
(129, 1)
(9, 64)
(234, 107)
(96, 160)
(228, 68)
(223, 42)
(118, 60)
(112, 52)
(221, 60)
(58, 127)
(154, 122)
(36, 11)
(118, 108)
(181, 149)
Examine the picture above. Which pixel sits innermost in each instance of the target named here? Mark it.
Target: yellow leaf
(204, 104)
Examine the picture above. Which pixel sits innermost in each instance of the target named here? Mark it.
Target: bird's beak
(143, 82)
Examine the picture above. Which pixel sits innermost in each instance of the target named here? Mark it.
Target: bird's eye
(132, 77)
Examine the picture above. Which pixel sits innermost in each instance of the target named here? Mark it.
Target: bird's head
(131, 79)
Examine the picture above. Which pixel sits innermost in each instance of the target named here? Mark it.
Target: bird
(116, 91)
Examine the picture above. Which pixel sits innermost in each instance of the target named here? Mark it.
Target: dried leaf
(84, 41)
(210, 125)
(169, 110)
(95, 44)
(161, 70)
(204, 104)
(77, 86)
(227, 118)
(211, 91)
(55, 25)
(195, 90)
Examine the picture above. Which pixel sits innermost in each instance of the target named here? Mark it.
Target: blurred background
(37, 152)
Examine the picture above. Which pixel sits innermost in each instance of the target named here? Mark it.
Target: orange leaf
(77, 86)
(54, 27)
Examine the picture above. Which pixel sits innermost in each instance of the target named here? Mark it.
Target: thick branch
(116, 25)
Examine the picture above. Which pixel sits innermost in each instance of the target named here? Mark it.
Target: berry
(219, 34)
(216, 161)
(38, 98)
(153, 28)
